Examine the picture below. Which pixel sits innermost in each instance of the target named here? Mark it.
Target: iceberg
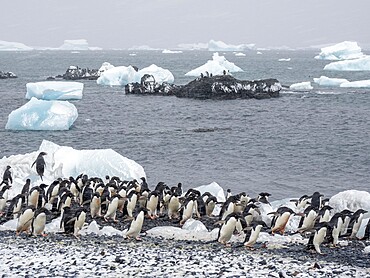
(215, 189)
(240, 54)
(359, 64)
(341, 51)
(356, 84)
(74, 45)
(167, 51)
(121, 76)
(43, 115)
(350, 199)
(54, 90)
(329, 82)
(216, 66)
(193, 46)
(118, 76)
(284, 60)
(160, 75)
(221, 46)
(63, 162)
(301, 86)
(14, 46)
(105, 66)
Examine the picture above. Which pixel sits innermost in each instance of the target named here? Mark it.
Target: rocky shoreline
(65, 256)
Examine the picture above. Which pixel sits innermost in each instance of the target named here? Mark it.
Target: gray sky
(167, 23)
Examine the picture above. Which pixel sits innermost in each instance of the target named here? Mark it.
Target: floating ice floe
(284, 60)
(341, 51)
(43, 115)
(240, 54)
(63, 162)
(216, 66)
(329, 82)
(120, 76)
(54, 90)
(360, 64)
(356, 84)
(302, 86)
(14, 46)
(167, 51)
(221, 46)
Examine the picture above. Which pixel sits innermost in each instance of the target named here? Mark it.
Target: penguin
(228, 193)
(15, 206)
(228, 207)
(173, 207)
(136, 225)
(26, 189)
(65, 200)
(80, 218)
(316, 200)
(210, 205)
(318, 236)
(355, 223)
(105, 196)
(95, 209)
(227, 228)
(301, 203)
(367, 231)
(39, 221)
(280, 219)
(187, 210)
(7, 176)
(73, 187)
(152, 203)
(25, 220)
(335, 223)
(248, 213)
(324, 213)
(3, 200)
(200, 207)
(112, 208)
(86, 193)
(347, 218)
(144, 184)
(40, 164)
(263, 198)
(67, 222)
(52, 191)
(130, 204)
(144, 194)
(308, 219)
(177, 189)
(253, 232)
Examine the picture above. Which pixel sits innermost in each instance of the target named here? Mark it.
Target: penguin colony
(114, 200)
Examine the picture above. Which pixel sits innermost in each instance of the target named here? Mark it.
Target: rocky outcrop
(228, 87)
(76, 73)
(214, 87)
(148, 86)
(6, 75)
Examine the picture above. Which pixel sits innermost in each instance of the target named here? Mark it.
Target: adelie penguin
(136, 224)
(318, 236)
(39, 222)
(173, 207)
(112, 208)
(227, 228)
(355, 223)
(152, 203)
(252, 233)
(15, 206)
(40, 164)
(7, 176)
(25, 220)
(280, 219)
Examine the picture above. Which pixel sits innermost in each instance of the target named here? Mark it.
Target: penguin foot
(43, 234)
(138, 238)
(250, 247)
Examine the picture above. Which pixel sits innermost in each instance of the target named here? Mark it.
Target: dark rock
(76, 73)
(6, 75)
(228, 87)
(216, 87)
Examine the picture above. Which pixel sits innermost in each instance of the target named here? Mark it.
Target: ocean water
(296, 144)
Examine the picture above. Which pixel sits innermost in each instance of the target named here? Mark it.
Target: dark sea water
(296, 144)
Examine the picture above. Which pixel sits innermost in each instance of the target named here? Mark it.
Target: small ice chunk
(302, 86)
(43, 115)
(194, 225)
(214, 189)
(54, 90)
(329, 82)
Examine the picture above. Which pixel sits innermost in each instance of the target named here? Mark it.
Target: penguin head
(42, 153)
(43, 210)
(8, 167)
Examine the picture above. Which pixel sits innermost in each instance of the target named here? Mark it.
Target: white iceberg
(14, 46)
(43, 115)
(341, 51)
(215, 189)
(216, 66)
(120, 76)
(221, 46)
(105, 66)
(193, 46)
(160, 75)
(74, 45)
(329, 82)
(360, 64)
(54, 90)
(356, 84)
(167, 51)
(350, 199)
(64, 162)
(302, 86)
(240, 54)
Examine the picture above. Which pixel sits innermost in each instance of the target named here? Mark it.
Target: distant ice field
(301, 142)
